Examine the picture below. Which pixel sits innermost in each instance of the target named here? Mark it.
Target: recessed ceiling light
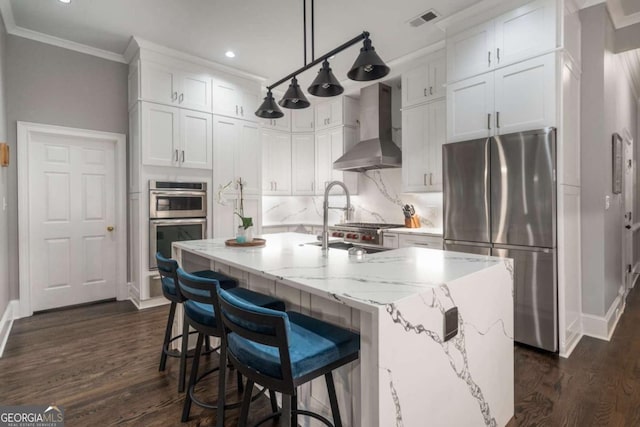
(64, 1)
(228, 54)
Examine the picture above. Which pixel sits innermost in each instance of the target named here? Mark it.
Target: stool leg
(240, 383)
(183, 353)
(285, 419)
(192, 379)
(294, 408)
(207, 343)
(167, 337)
(335, 410)
(222, 381)
(246, 402)
(274, 401)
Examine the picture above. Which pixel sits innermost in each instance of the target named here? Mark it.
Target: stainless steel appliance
(177, 199)
(500, 199)
(177, 212)
(362, 233)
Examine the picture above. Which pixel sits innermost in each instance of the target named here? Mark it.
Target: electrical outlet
(607, 202)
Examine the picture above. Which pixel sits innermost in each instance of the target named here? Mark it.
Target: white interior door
(72, 214)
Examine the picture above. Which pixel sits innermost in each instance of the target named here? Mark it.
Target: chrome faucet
(325, 218)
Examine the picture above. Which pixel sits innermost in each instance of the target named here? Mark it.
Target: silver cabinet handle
(425, 91)
(430, 90)
(498, 55)
(242, 111)
(489, 58)
(182, 156)
(498, 119)
(181, 98)
(424, 179)
(176, 155)
(174, 96)
(489, 121)
(236, 110)
(430, 178)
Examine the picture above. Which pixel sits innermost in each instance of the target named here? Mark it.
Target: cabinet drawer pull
(489, 58)
(174, 96)
(430, 178)
(176, 155)
(424, 179)
(498, 119)
(181, 98)
(182, 156)
(489, 121)
(425, 91)
(498, 55)
(430, 90)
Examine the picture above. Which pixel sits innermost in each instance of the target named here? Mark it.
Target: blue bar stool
(282, 351)
(168, 269)
(202, 313)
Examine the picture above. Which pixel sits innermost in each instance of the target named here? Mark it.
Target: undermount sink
(334, 245)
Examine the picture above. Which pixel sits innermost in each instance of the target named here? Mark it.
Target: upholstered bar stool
(202, 314)
(168, 269)
(282, 351)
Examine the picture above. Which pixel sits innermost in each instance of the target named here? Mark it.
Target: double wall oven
(177, 212)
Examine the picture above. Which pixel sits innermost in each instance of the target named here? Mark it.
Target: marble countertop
(427, 231)
(378, 279)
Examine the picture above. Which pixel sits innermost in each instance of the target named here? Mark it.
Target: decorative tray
(255, 242)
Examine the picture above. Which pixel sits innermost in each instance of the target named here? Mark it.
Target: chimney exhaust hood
(375, 150)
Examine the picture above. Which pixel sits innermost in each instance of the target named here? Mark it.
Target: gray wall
(52, 85)
(4, 177)
(607, 106)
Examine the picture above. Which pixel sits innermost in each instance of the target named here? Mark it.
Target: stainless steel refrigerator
(500, 200)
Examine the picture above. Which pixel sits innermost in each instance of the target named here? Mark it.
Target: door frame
(25, 129)
(628, 257)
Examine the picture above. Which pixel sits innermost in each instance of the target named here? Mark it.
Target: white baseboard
(10, 314)
(149, 303)
(572, 340)
(602, 327)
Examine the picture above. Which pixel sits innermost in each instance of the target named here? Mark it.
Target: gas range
(368, 233)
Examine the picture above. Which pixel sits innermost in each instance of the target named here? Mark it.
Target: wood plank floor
(101, 363)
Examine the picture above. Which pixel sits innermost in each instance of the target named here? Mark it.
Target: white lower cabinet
(276, 163)
(330, 145)
(431, 242)
(303, 164)
(424, 133)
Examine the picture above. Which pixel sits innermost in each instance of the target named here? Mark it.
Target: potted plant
(245, 230)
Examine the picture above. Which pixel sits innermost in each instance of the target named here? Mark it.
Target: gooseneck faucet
(325, 218)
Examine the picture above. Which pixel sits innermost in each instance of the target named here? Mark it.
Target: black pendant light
(325, 83)
(294, 97)
(269, 108)
(368, 65)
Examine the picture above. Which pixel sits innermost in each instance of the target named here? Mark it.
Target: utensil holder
(412, 222)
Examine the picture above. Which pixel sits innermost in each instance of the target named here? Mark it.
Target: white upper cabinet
(302, 120)
(470, 108)
(303, 165)
(338, 111)
(282, 124)
(525, 95)
(235, 97)
(276, 162)
(330, 145)
(175, 137)
(423, 135)
(248, 158)
(170, 86)
(425, 82)
(523, 33)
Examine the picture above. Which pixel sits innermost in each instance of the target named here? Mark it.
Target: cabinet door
(337, 150)
(249, 103)
(471, 52)
(196, 139)
(335, 109)
(470, 108)
(415, 86)
(431, 242)
(437, 135)
(302, 120)
(351, 138)
(281, 124)
(525, 95)
(329, 114)
(248, 158)
(225, 136)
(302, 164)
(195, 92)
(276, 164)
(414, 148)
(226, 98)
(160, 135)
(437, 77)
(525, 32)
(324, 162)
(158, 83)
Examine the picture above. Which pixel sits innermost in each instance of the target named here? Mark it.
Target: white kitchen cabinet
(302, 120)
(525, 95)
(276, 166)
(390, 240)
(303, 164)
(237, 154)
(175, 137)
(170, 86)
(426, 82)
(470, 108)
(337, 111)
(523, 33)
(282, 124)
(330, 145)
(422, 241)
(235, 97)
(424, 133)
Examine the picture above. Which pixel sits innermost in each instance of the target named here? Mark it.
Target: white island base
(407, 375)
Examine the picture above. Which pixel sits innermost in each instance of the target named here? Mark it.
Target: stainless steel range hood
(375, 150)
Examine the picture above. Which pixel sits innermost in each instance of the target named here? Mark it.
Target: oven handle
(178, 193)
(178, 221)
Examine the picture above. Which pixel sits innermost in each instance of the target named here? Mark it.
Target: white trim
(10, 314)
(24, 129)
(602, 327)
(571, 340)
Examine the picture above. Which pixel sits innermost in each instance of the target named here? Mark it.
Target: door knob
(110, 228)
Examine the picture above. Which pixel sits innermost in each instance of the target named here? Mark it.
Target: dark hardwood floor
(101, 363)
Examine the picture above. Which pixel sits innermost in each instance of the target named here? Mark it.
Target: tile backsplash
(379, 199)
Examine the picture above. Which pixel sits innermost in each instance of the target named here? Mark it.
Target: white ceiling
(265, 35)
(624, 12)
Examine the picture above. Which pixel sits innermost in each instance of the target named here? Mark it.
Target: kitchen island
(408, 374)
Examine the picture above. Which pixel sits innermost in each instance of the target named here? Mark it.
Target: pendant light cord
(313, 24)
(304, 28)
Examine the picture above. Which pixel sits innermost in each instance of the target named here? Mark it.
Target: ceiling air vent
(424, 17)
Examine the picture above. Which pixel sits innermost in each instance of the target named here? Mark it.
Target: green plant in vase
(245, 230)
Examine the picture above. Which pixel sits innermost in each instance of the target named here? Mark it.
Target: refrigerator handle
(487, 184)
